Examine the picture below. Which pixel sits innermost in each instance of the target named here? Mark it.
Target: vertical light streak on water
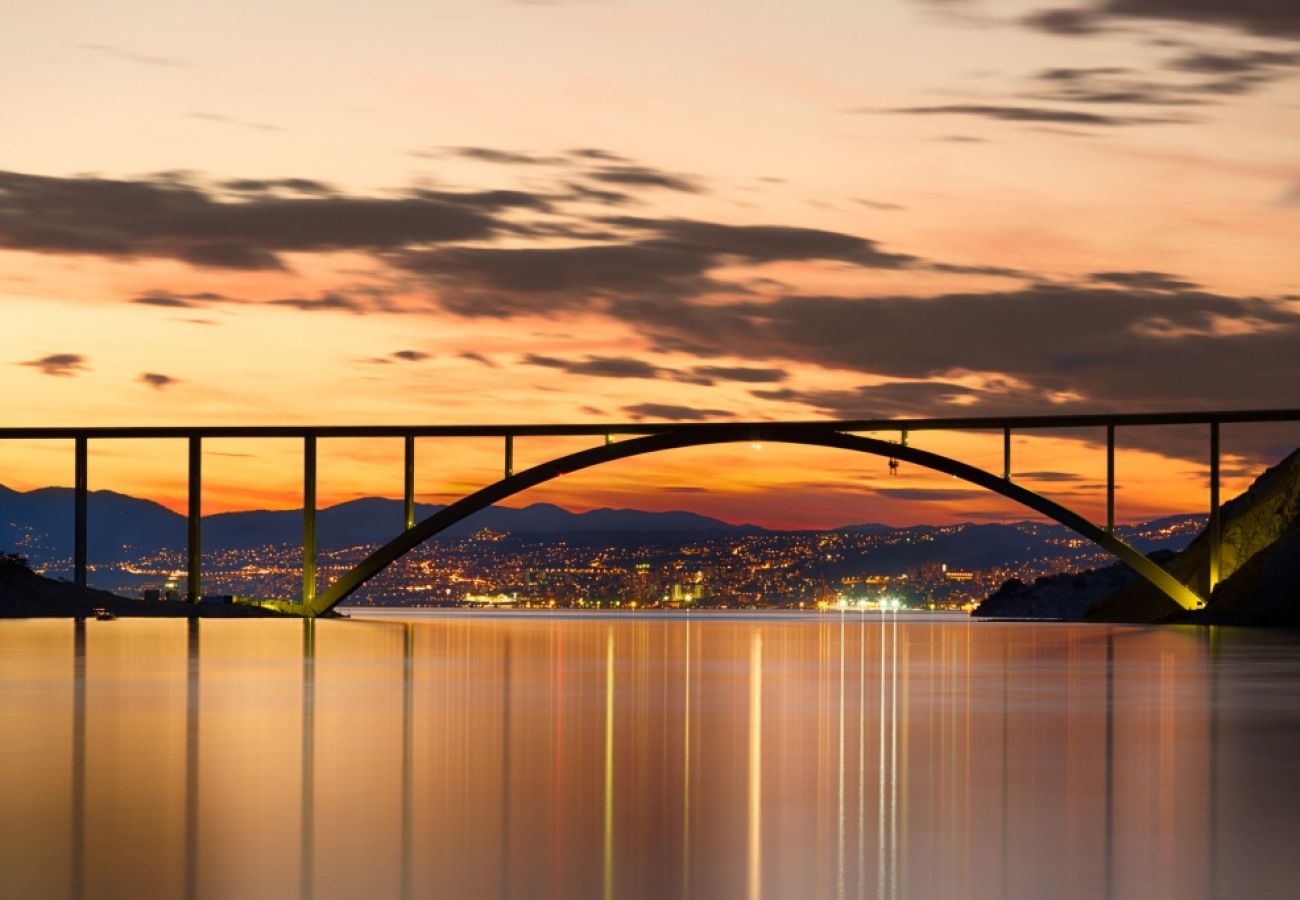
(839, 823)
(686, 770)
(607, 873)
(756, 767)
(893, 765)
(558, 785)
(1167, 769)
(78, 843)
(408, 748)
(862, 752)
(880, 790)
(307, 838)
(1006, 765)
(1212, 827)
(192, 760)
(951, 659)
(1110, 765)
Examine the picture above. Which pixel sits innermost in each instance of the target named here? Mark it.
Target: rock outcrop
(24, 594)
(1259, 568)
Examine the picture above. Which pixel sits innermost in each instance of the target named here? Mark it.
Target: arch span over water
(812, 435)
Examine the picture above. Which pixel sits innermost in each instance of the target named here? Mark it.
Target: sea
(710, 755)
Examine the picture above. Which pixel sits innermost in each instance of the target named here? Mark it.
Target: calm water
(644, 757)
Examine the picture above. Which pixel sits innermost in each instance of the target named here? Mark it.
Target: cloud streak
(59, 364)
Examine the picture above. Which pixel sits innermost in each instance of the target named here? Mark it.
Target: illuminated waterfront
(658, 755)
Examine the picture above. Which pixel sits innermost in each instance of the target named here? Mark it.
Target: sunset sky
(485, 211)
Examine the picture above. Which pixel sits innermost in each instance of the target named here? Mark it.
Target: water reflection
(572, 757)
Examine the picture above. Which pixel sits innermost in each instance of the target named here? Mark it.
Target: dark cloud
(163, 300)
(270, 185)
(961, 139)
(744, 374)
(598, 366)
(595, 195)
(1291, 197)
(671, 258)
(881, 401)
(597, 154)
(1049, 476)
(991, 271)
(877, 204)
(1269, 18)
(169, 217)
(765, 243)
(685, 489)
(324, 303)
(411, 355)
(1052, 349)
(1245, 63)
(158, 381)
(501, 157)
(1066, 21)
(1031, 114)
(1231, 74)
(59, 364)
(643, 176)
(671, 413)
(170, 300)
(478, 358)
(937, 495)
(501, 282)
(631, 367)
(1144, 281)
(1108, 85)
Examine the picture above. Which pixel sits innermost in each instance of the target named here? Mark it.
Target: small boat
(102, 614)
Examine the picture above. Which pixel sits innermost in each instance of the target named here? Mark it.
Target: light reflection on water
(756, 756)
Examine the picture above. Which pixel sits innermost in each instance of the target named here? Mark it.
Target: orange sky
(602, 211)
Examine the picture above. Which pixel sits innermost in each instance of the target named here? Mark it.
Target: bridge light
(757, 445)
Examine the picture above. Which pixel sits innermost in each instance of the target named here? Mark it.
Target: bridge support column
(1110, 479)
(79, 491)
(309, 520)
(1215, 527)
(193, 573)
(408, 470)
(510, 455)
(1006, 454)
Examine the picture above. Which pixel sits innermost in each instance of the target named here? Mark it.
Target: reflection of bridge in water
(644, 438)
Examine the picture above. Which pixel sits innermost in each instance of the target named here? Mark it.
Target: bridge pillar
(309, 520)
(408, 470)
(1006, 454)
(79, 491)
(510, 455)
(1216, 526)
(1110, 479)
(193, 579)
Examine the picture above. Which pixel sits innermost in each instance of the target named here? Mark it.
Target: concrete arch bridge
(638, 439)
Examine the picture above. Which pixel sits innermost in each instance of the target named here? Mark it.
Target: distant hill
(39, 524)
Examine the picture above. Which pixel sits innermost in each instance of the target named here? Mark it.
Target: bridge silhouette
(642, 438)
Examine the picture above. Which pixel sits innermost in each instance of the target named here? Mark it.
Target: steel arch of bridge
(694, 436)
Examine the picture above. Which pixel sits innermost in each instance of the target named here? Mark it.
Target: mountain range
(38, 524)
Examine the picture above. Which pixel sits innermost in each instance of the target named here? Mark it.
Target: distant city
(633, 560)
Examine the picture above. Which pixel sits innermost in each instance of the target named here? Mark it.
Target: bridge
(621, 441)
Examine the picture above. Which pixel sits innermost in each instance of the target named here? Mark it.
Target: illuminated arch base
(816, 436)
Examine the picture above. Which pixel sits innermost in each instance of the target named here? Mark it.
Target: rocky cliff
(1259, 568)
